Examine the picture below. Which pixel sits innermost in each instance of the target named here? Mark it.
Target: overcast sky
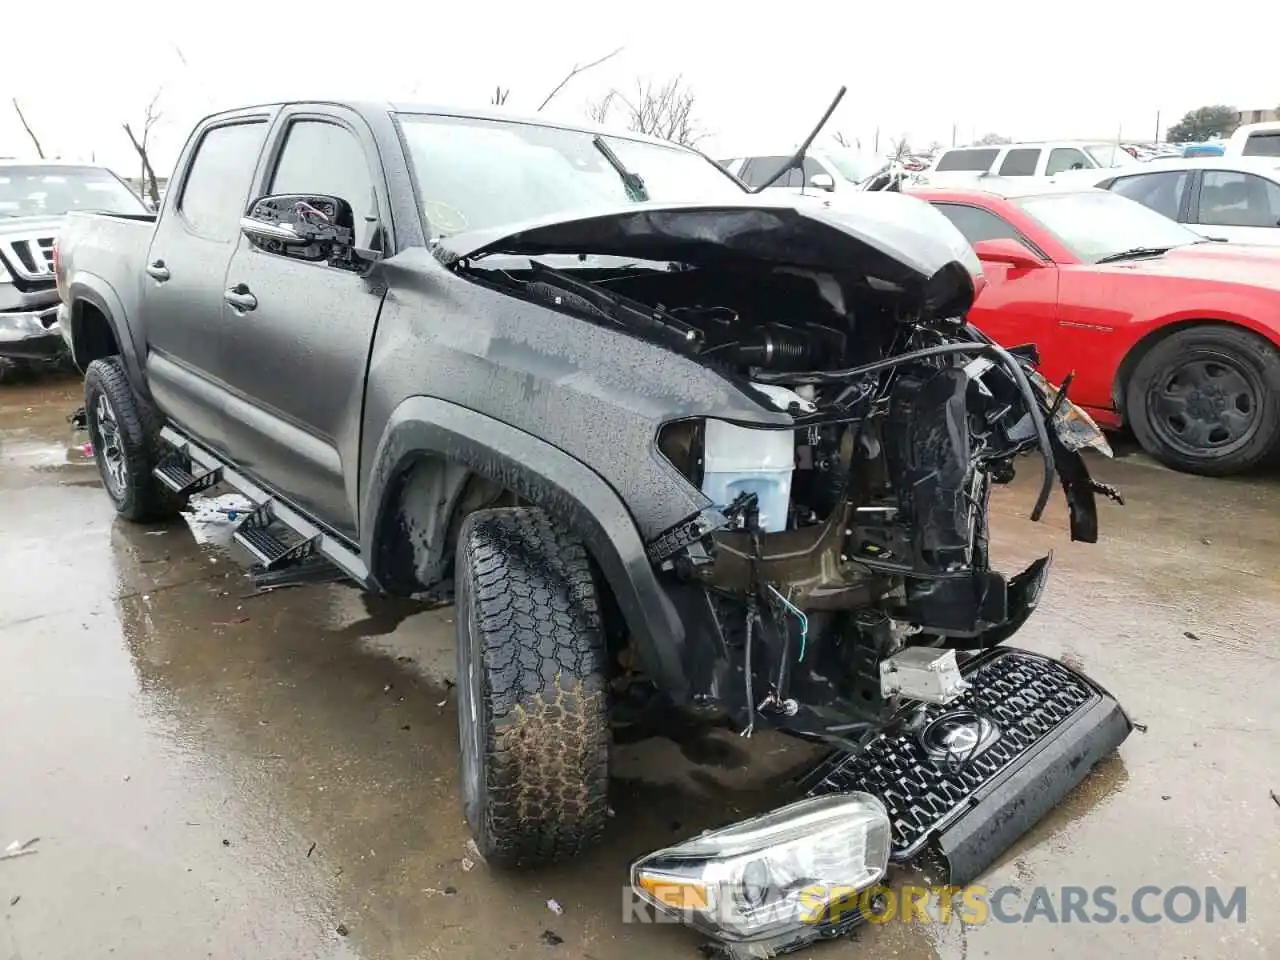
(762, 72)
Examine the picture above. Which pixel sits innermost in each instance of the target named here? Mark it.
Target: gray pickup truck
(674, 449)
(34, 197)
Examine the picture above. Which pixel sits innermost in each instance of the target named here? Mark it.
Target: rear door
(1019, 304)
(1164, 191)
(181, 303)
(296, 359)
(1242, 207)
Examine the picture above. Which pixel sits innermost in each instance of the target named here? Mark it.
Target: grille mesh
(1025, 695)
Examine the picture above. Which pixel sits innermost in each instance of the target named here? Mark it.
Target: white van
(1254, 140)
(1045, 159)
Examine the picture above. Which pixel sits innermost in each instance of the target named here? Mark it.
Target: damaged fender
(422, 427)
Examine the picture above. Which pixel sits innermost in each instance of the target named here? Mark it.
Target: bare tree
(899, 147)
(501, 93)
(666, 111)
(140, 145)
(598, 110)
(843, 140)
(577, 69)
(27, 127)
(933, 149)
(993, 139)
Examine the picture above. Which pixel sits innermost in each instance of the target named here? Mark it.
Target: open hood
(893, 242)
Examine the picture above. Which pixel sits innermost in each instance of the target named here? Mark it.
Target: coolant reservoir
(745, 460)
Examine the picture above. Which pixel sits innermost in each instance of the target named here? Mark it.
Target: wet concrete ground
(216, 774)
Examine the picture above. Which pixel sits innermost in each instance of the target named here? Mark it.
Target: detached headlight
(773, 874)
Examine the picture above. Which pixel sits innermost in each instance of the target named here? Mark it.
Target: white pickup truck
(34, 198)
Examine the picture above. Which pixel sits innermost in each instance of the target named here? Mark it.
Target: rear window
(1263, 144)
(1021, 162)
(979, 160)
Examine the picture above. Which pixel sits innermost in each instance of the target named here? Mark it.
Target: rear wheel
(124, 431)
(1206, 400)
(532, 710)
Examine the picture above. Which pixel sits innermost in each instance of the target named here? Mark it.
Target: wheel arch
(1149, 340)
(445, 457)
(99, 323)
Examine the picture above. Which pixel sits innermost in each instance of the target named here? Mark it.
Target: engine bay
(861, 529)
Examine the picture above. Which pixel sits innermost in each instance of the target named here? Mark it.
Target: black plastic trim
(544, 475)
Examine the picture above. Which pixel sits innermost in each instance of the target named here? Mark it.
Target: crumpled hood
(894, 241)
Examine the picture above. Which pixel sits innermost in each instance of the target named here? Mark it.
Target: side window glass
(811, 167)
(1162, 192)
(216, 190)
(1065, 158)
(1232, 199)
(325, 158)
(1020, 162)
(760, 169)
(977, 224)
(1262, 145)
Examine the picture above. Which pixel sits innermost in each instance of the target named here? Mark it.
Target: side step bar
(276, 535)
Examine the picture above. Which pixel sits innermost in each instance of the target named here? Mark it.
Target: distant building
(1257, 116)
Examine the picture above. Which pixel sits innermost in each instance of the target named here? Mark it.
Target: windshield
(37, 191)
(1109, 154)
(852, 166)
(1097, 224)
(473, 174)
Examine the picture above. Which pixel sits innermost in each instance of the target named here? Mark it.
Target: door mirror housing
(823, 181)
(1007, 250)
(312, 227)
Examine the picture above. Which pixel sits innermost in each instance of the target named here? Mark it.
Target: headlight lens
(772, 874)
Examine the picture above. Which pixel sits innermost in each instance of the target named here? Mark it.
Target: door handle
(157, 271)
(240, 297)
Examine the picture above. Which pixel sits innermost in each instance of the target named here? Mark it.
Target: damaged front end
(837, 585)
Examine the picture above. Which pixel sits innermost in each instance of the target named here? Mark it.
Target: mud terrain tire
(125, 432)
(1206, 400)
(532, 706)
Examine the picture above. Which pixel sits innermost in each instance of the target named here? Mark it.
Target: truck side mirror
(823, 181)
(301, 226)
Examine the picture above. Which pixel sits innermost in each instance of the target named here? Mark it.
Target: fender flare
(566, 488)
(90, 288)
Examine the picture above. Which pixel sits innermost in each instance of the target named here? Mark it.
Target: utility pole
(1157, 126)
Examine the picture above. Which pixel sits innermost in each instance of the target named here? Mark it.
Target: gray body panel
(335, 383)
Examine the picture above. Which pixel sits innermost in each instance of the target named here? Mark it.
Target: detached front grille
(1024, 695)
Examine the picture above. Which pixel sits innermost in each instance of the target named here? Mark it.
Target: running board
(966, 780)
(277, 536)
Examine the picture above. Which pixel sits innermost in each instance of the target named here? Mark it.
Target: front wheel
(532, 707)
(1206, 400)
(124, 431)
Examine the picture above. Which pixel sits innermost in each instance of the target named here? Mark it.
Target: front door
(296, 359)
(1241, 207)
(1018, 304)
(182, 288)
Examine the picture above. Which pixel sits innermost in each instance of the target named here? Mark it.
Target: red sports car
(1172, 334)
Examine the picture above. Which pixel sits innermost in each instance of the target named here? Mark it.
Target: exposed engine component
(842, 558)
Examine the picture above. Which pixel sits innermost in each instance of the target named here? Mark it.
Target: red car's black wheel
(1207, 400)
